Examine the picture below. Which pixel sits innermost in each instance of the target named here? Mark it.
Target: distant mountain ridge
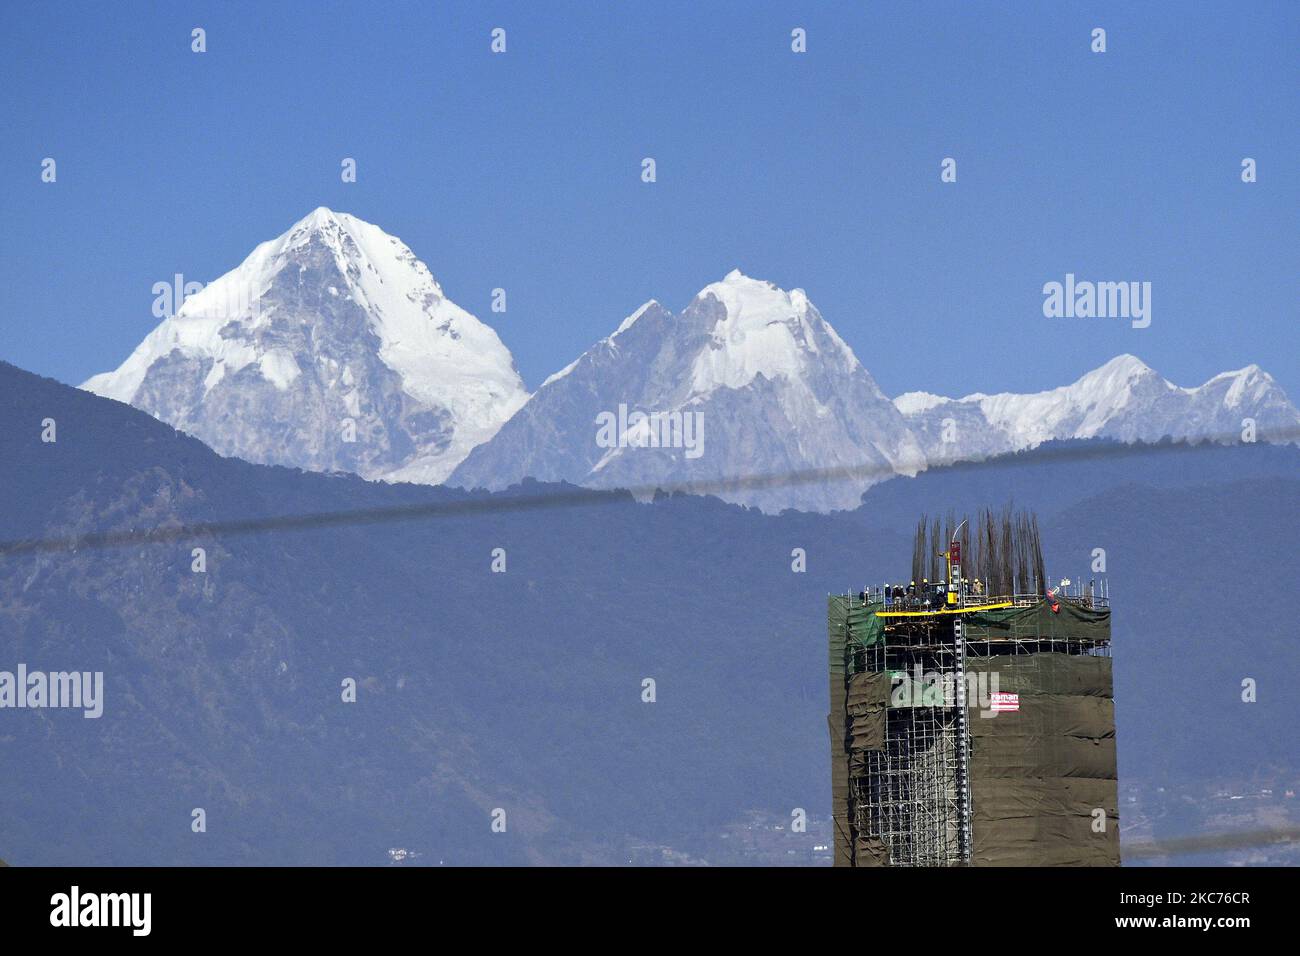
(1123, 399)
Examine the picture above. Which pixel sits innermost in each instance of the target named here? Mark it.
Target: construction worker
(977, 587)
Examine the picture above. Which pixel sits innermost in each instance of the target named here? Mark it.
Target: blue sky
(819, 171)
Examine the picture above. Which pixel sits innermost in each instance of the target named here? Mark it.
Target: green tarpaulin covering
(1043, 777)
(837, 614)
(1039, 620)
(868, 698)
(860, 619)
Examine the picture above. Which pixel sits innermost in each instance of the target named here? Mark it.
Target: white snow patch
(279, 368)
(1250, 382)
(765, 331)
(562, 372)
(910, 403)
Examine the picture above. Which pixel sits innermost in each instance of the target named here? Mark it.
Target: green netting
(846, 622)
(837, 614)
(1069, 621)
(864, 627)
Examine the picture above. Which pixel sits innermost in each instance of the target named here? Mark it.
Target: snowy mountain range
(1123, 399)
(333, 348)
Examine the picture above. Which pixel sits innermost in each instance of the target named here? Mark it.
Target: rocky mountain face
(328, 348)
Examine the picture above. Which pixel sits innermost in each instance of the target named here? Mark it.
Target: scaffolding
(917, 778)
(911, 798)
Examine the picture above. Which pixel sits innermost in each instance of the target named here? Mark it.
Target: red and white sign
(1002, 703)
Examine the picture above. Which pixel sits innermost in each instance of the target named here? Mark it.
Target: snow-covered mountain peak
(1088, 405)
(323, 216)
(752, 378)
(1243, 387)
(1121, 372)
(1250, 373)
(322, 220)
(761, 329)
(343, 321)
(354, 240)
(631, 319)
(753, 303)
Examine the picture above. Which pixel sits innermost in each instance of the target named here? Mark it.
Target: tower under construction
(972, 715)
